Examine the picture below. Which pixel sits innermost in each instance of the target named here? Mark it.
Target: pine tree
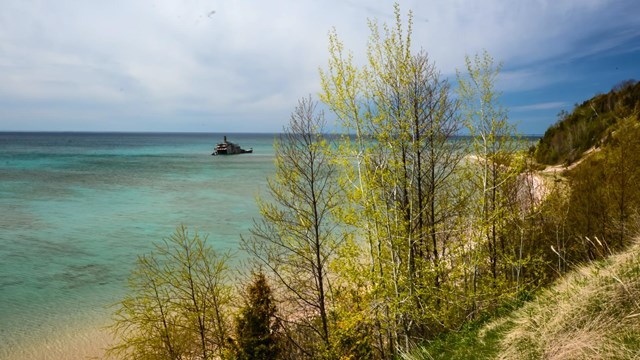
(256, 325)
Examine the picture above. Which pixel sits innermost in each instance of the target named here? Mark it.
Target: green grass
(472, 342)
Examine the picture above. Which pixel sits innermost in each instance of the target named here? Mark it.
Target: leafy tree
(622, 155)
(399, 174)
(295, 237)
(605, 195)
(256, 323)
(178, 305)
(494, 173)
(588, 216)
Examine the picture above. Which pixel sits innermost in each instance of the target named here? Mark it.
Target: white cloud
(541, 106)
(253, 59)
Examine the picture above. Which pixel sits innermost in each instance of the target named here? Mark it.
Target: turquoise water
(77, 208)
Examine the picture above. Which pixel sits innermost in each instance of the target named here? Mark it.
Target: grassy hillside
(592, 313)
(588, 124)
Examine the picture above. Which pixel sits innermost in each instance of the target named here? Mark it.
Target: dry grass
(593, 313)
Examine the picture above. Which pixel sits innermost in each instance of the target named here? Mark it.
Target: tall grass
(591, 313)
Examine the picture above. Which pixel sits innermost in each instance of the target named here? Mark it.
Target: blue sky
(241, 65)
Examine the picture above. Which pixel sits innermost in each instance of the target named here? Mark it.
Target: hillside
(591, 313)
(590, 211)
(588, 125)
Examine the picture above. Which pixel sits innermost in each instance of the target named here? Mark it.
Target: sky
(242, 65)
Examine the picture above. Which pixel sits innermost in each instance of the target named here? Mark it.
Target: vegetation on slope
(591, 313)
(604, 187)
(588, 125)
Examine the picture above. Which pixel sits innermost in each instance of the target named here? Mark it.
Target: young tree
(256, 324)
(588, 216)
(178, 305)
(296, 237)
(622, 176)
(494, 173)
(400, 174)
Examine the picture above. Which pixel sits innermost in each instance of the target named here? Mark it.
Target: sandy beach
(81, 344)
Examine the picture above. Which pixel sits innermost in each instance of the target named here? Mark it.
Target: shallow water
(77, 208)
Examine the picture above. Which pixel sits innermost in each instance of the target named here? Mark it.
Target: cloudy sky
(241, 65)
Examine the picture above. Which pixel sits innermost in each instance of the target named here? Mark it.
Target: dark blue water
(76, 209)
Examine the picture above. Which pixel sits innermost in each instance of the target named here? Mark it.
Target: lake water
(76, 209)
